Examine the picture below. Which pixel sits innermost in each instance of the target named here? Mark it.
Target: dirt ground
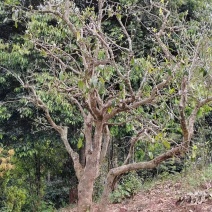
(165, 197)
(162, 198)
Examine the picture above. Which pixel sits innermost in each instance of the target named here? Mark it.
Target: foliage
(202, 147)
(196, 177)
(128, 186)
(5, 161)
(35, 162)
(57, 192)
(15, 198)
(190, 180)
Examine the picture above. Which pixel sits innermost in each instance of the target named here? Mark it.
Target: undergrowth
(190, 179)
(129, 185)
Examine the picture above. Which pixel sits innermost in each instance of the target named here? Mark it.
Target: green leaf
(109, 110)
(16, 24)
(15, 15)
(78, 35)
(94, 81)
(129, 127)
(151, 155)
(5, 20)
(132, 62)
(203, 71)
(186, 73)
(61, 76)
(102, 80)
(43, 53)
(193, 155)
(80, 143)
(171, 91)
(166, 144)
(169, 72)
(195, 147)
(118, 16)
(81, 84)
(159, 136)
(101, 54)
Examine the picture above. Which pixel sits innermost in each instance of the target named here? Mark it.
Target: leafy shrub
(57, 192)
(129, 186)
(15, 198)
(47, 207)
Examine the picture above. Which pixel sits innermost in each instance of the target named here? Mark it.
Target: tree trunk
(91, 169)
(107, 190)
(86, 184)
(85, 192)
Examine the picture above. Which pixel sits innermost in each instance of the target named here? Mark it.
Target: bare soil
(163, 197)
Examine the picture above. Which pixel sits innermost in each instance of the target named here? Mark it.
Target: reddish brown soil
(163, 197)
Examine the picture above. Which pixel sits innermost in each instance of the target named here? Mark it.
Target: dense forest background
(37, 173)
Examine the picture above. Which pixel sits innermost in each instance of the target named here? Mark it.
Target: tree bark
(85, 189)
(91, 170)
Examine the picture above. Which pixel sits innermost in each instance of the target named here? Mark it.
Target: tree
(111, 82)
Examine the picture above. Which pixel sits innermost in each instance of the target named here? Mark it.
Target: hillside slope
(181, 193)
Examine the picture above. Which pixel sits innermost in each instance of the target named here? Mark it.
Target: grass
(189, 179)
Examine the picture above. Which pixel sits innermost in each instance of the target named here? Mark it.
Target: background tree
(41, 163)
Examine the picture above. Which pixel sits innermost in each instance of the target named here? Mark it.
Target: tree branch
(78, 105)
(63, 131)
(126, 33)
(133, 141)
(100, 12)
(183, 99)
(56, 58)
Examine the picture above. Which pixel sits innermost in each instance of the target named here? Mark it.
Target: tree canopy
(88, 70)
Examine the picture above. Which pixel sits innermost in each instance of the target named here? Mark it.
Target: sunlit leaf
(151, 155)
(80, 143)
(166, 144)
(78, 35)
(81, 84)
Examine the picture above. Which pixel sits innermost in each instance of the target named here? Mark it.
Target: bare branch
(155, 89)
(56, 58)
(100, 12)
(78, 105)
(94, 106)
(193, 115)
(115, 172)
(133, 141)
(126, 33)
(16, 76)
(182, 105)
(48, 9)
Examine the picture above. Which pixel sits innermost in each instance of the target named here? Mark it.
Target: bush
(128, 187)
(15, 198)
